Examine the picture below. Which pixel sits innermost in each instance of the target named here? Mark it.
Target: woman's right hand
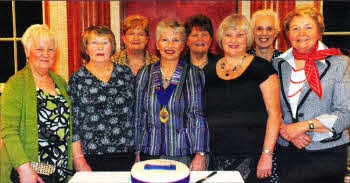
(264, 168)
(28, 175)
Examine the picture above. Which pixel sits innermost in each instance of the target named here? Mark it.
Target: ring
(286, 136)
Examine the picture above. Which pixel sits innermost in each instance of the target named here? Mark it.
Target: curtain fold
(283, 8)
(81, 15)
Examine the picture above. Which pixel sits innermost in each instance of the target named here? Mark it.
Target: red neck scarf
(310, 69)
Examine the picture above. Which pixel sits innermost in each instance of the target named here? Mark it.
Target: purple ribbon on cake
(159, 167)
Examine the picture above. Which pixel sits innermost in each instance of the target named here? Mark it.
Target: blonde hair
(265, 12)
(304, 11)
(234, 21)
(173, 24)
(38, 32)
(133, 21)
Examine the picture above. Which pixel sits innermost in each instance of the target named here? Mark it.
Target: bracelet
(266, 151)
(78, 156)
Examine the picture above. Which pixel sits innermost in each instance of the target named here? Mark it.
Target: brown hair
(134, 21)
(98, 30)
(304, 11)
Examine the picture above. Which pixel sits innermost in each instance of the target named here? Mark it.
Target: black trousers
(111, 162)
(323, 166)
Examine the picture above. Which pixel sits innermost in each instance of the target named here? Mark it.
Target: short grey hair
(173, 24)
(265, 12)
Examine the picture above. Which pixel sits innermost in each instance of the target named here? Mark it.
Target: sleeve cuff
(328, 121)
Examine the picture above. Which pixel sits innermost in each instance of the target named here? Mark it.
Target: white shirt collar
(288, 55)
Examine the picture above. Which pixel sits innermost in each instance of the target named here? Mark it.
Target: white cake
(160, 170)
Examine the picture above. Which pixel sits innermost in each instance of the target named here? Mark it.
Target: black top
(209, 68)
(236, 111)
(103, 112)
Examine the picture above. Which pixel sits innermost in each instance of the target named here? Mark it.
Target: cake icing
(160, 170)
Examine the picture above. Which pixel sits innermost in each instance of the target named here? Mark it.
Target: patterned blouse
(186, 132)
(121, 58)
(53, 127)
(103, 112)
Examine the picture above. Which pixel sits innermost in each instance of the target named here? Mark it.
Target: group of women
(125, 107)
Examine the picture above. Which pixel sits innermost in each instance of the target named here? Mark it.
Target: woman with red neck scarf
(315, 102)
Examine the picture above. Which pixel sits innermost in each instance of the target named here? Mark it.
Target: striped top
(186, 132)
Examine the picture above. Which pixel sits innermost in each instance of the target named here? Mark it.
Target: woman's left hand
(291, 131)
(264, 166)
(198, 163)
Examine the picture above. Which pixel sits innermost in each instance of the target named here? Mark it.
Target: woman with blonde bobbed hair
(315, 103)
(135, 36)
(36, 113)
(242, 100)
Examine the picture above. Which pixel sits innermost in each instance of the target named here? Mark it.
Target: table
(124, 177)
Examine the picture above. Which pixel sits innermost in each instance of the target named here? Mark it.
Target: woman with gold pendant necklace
(170, 123)
(242, 100)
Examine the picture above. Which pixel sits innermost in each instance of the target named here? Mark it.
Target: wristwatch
(266, 151)
(311, 126)
(201, 153)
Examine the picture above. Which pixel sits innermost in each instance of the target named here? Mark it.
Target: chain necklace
(100, 73)
(166, 79)
(40, 77)
(201, 66)
(235, 68)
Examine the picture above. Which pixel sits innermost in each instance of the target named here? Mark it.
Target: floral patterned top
(103, 112)
(53, 128)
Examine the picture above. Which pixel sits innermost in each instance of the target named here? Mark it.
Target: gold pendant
(164, 115)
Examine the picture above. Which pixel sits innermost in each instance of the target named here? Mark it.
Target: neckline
(48, 94)
(218, 66)
(114, 65)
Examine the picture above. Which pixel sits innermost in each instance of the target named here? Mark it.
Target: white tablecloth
(124, 177)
